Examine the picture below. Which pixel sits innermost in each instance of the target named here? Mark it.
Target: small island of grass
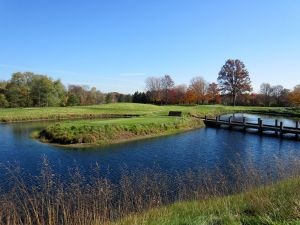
(150, 121)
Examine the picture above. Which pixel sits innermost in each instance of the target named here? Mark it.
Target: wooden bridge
(278, 128)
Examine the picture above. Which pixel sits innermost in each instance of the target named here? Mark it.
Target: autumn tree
(190, 97)
(213, 94)
(294, 96)
(234, 79)
(199, 86)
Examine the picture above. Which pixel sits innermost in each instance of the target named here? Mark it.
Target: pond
(206, 148)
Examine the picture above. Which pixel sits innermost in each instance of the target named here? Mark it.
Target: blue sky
(114, 45)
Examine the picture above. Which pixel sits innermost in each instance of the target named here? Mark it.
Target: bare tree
(167, 83)
(277, 93)
(234, 79)
(266, 92)
(154, 87)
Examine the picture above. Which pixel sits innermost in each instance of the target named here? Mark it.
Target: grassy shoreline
(274, 204)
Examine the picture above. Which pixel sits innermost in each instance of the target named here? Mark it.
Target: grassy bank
(275, 204)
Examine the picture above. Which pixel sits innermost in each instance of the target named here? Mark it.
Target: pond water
(206, 148)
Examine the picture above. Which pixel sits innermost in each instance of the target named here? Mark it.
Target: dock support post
(229, 122)
(297, 127)
(244, 123)
(276, 126)
(217, 121)
(260, 126)
(281, 129)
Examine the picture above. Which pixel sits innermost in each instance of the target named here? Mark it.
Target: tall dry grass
(92, 199)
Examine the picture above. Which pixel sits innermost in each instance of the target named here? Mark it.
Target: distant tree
(199, 86)
(277, 93)
(154, 89)
(294, 96)
(58, 95)
(167, 83)
(3, 87)
(266, 91)
(234, 79)
(19, 88)
(177, 94)
(108, 98)
(3, 102)
(190, 97)
(73, 99)
(213, 94)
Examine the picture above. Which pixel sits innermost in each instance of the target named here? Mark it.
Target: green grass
(276, 204)
(116, 130)
(54, 113)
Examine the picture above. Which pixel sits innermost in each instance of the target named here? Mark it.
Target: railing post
(281, 129)
(244, 123)
(205, 117)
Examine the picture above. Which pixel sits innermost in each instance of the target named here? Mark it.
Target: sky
(115, 45)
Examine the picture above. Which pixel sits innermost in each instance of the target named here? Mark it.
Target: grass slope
(276, 204)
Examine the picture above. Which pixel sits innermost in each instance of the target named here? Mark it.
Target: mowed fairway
(55, 113)
(52, 113)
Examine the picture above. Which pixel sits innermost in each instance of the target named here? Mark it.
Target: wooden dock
(277, 129)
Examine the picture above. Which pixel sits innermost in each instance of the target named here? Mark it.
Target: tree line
(233, 87)
(33, 90)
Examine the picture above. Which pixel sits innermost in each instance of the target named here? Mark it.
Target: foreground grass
(153, 197)
(276, 204)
